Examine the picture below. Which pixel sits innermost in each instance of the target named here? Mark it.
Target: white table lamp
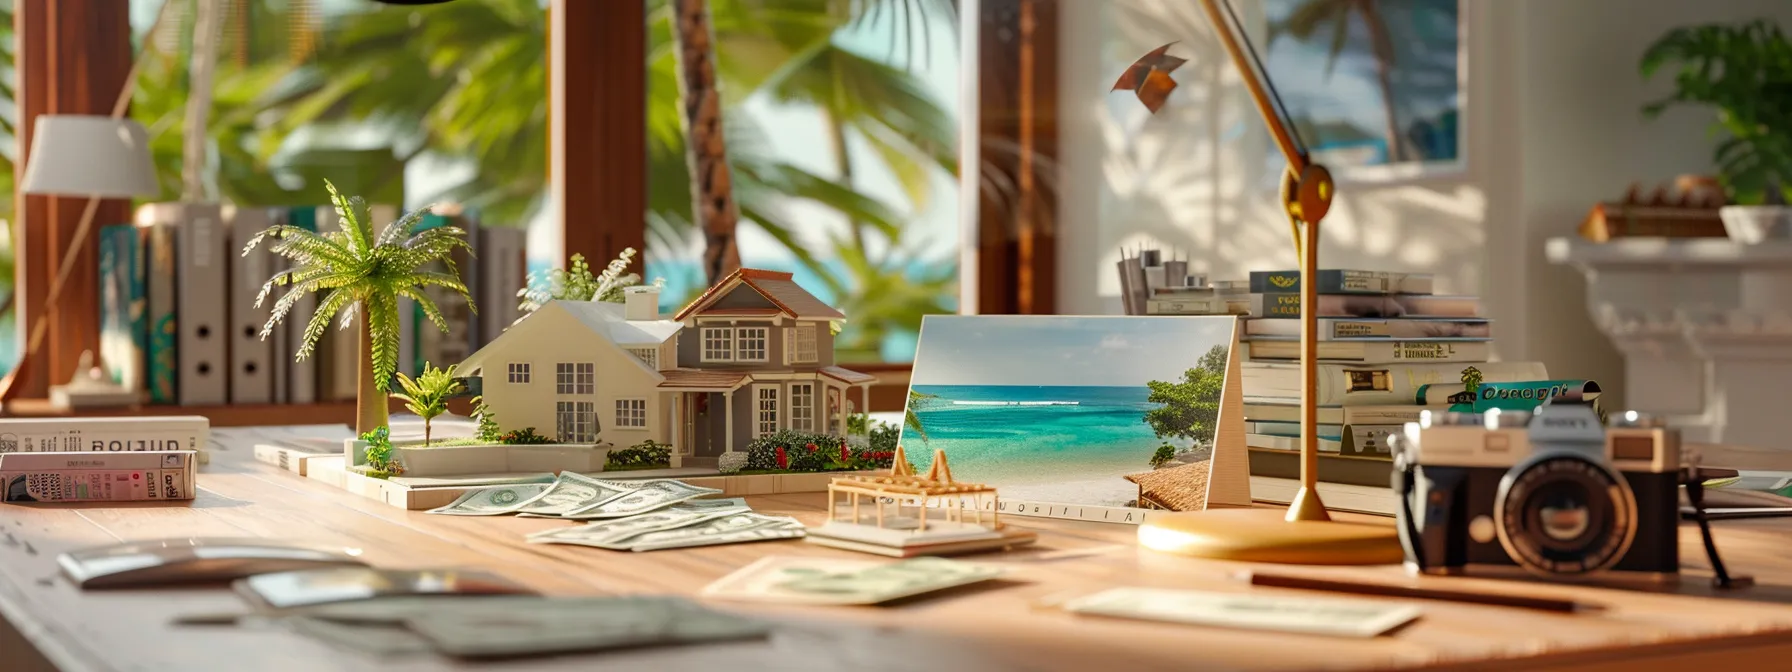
(92, 156)
(83, 156)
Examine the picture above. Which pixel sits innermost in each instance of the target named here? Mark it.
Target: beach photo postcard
(1094, 418)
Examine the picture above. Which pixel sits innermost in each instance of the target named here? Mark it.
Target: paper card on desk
(552, 626)
(189, 560)
(322, 586)
(841, 581)
(1251, 611)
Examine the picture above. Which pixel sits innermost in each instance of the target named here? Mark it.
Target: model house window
(718, 344)
(631, 413)
(767, 398)
(802, 407)
(575, 378)
(576, 421)
(649, 355)
(802, 347)
(519, 372)
(750, 344)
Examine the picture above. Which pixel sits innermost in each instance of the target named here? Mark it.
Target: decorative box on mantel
(1705, 327)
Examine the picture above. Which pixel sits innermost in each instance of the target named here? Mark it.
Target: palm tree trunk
(843, 163)
(712, 188)
(204, 61)
(1383, 45)
(370, 405)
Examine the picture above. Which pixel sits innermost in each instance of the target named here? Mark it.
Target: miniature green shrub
(883, 437)
(523, 437)
(380, 462)
(488, 431)
(1164, 454)
(731, 463)
(647, 453)
(802, 452)
(858, 424)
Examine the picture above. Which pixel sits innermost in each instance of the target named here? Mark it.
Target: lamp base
(1264, 535)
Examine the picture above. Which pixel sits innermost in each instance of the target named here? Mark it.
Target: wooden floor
(1002, 626)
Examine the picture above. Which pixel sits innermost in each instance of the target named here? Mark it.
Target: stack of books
(179, 324)
(1153, 285)
(1384, 339)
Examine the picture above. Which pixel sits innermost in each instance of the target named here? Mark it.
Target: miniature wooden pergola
(901, 484)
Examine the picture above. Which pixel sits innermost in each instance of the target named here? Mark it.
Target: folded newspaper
(152, 475)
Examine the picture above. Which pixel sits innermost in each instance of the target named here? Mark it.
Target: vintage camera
(1555, 492)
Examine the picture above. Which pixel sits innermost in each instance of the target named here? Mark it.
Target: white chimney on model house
(641, 303)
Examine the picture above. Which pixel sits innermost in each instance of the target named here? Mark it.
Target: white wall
(1551, 115)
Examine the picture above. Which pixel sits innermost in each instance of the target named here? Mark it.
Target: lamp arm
(1235, 49)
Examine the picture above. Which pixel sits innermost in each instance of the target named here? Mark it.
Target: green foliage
(487, 431)
(523, 437)
(858, 424)
(910, 418)
(646, 454)
(358, 272)
(1471, 380)
(1745, 71)
(1164, 454)
(427, 394)
(883, 437)
(576, 283)
(1190, 409)
(380, 462)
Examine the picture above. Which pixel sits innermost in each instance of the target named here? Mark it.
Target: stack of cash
(627, 515)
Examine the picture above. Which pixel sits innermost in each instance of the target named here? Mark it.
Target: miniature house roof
(605, 320)
(787, 298)
(1181, 488)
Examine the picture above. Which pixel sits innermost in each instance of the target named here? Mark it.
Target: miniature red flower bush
(783, 460)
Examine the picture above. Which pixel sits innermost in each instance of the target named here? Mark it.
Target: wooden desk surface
(993, 627)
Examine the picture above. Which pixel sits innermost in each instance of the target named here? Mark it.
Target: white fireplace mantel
(1705, 327)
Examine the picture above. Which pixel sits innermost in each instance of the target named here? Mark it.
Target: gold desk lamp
(1306, 534)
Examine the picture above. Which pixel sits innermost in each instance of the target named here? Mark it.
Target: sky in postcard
(1054, 350)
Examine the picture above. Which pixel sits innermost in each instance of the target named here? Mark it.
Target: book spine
(163, 335)
(1341, 281)
(199, 303)
(251, 365)
(1352, 385)
(1186, 306)
(1366, 305)
(338, 349)
(123, 331)
(1339, 329)
(1523, 395)
(301, 376)
(1369, 439)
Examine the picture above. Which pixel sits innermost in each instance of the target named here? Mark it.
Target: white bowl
(1752, 224)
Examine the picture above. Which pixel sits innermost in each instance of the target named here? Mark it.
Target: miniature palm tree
(363, 274)
(427, 395)
(910, 418)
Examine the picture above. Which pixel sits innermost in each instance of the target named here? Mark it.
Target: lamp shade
(84, 155)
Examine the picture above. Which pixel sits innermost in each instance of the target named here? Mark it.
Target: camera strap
(1695, 494)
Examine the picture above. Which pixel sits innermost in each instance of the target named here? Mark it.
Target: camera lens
(1564, 514)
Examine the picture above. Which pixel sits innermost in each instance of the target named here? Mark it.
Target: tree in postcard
(360, 274)
(1190, 409)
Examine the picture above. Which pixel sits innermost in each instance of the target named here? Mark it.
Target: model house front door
(708, 424)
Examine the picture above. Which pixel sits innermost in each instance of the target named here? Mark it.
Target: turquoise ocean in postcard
(1050, 409)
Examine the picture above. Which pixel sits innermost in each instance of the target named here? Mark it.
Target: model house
(752, 356)
(578, 370)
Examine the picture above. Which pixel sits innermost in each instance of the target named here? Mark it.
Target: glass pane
(842, 135)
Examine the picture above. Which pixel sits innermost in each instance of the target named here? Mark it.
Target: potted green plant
(1745, 71)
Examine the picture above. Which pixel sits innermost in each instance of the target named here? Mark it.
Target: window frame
(584, 418)
(652, 360)
(629, 410)
(760, 410)
(708, 355)
(794, 409)
(575, 378)
(518, 373)
(765, 344)
(795, 352)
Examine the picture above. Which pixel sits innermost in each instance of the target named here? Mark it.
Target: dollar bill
(1255, 611)
(677, 515)
(493, 501)
(571, 492)
(650, 496)
(702, 530)
(844, 581)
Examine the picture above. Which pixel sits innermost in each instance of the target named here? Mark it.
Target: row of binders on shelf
(179, 324)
